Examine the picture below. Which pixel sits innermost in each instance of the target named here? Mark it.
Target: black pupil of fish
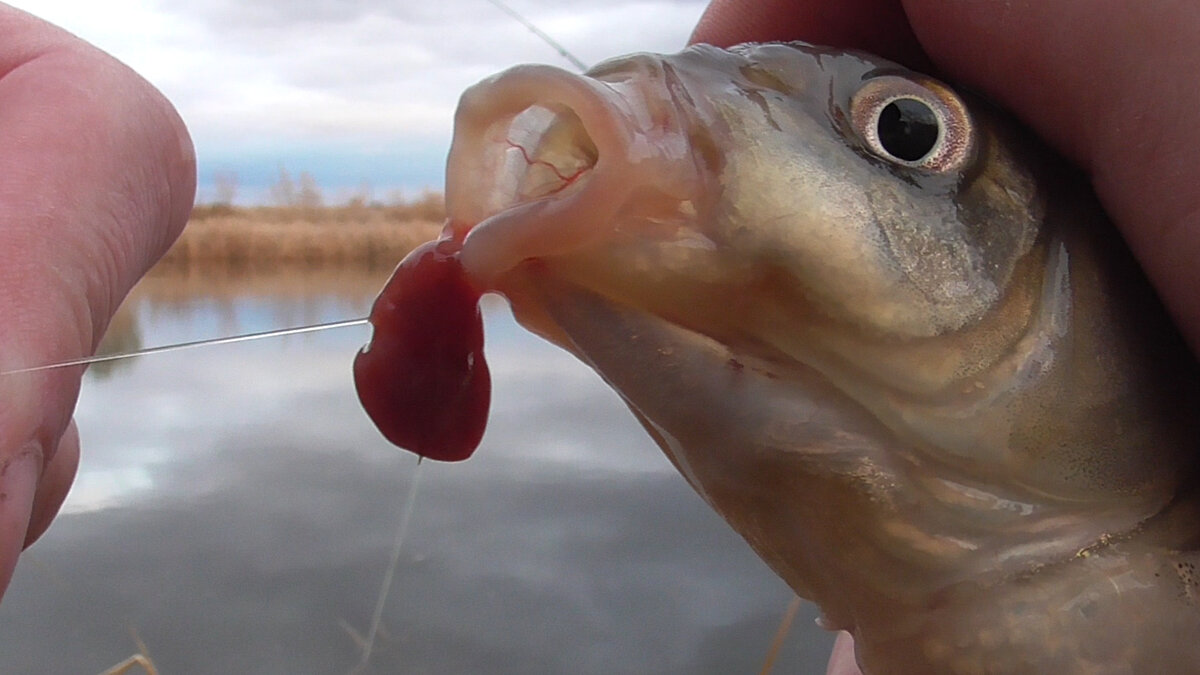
(908, 129)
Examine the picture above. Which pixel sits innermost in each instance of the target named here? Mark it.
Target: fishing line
(785, 625)
(384, 588)
(344, 323)
(516, 16)
(498, 4)
(411, 500)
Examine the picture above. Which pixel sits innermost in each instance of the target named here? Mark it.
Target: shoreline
(276, 238)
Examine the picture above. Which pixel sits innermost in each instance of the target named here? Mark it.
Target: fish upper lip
(634, 127)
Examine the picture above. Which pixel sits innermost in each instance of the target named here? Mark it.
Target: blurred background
(360, 94)
(235, 509)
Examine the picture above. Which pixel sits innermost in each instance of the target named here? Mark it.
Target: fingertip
(878, 26)
(841, 659)
(55, 484)
(18, 485)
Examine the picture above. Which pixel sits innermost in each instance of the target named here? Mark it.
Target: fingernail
(18, 484)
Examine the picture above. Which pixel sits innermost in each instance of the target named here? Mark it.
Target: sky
(359, 93)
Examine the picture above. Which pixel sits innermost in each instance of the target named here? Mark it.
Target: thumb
(97, 176)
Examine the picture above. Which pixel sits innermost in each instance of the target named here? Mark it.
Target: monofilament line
(538, 32)
(189, 345)
(785, 625)
(410, 503)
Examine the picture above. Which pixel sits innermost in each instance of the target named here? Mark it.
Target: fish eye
(914, 123)
(907, 129)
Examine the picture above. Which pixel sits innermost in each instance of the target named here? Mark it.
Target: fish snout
(544, 162)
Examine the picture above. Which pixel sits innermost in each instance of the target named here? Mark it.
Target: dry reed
(269, 238)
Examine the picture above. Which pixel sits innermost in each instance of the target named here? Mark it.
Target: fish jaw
(766, 423)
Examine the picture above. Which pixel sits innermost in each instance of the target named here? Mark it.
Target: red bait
(422, 378)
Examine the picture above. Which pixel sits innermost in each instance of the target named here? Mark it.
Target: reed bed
(278, 238)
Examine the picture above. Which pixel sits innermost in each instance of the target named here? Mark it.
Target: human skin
(97, 177)
(1109, 84)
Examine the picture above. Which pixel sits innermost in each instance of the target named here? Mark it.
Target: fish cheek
(943, 287)
(792, 202)
(774, 452)
(955, 239)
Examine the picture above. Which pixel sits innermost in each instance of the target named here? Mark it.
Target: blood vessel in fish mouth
(894, 342)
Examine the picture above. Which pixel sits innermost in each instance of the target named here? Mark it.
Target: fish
(877, 326)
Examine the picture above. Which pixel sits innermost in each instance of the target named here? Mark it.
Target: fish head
(633, 162)
(874, 325)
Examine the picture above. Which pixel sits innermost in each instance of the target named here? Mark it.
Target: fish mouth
(546, 163)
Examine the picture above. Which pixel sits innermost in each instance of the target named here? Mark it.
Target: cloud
(321, 67)
(267, 83)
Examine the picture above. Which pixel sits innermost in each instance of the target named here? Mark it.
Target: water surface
(236, 509)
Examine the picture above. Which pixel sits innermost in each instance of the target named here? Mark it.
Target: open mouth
(545, 162)
(544, 151)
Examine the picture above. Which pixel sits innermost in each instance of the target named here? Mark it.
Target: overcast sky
(357, 92)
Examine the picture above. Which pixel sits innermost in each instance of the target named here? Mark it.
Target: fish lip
(629, 116)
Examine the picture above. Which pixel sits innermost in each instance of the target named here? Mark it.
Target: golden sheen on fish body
(888, 337)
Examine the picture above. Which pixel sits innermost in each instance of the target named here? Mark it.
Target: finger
(97, 176)
(18, 479)
(1109, 83)
(841, 660)
(54, 485)
(96, 179)
(875, 25)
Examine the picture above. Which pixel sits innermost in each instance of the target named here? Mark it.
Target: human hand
(1109, 84)
(97, 176)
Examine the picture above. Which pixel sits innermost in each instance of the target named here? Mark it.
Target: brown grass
(270, 238)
